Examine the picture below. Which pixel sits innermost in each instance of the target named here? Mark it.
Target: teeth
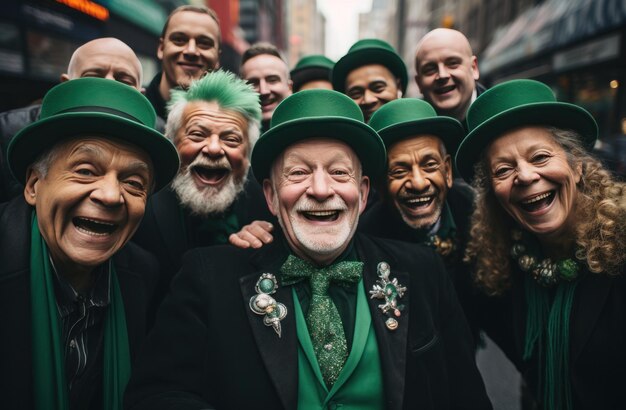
(537, 198)
(92, 233)
(321, 213)
(97, 222)
(419, 200)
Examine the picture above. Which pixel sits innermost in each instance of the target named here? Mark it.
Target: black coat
(208, 349)
(136, 271)
(384, 220)
(162, 230)
(597, 338)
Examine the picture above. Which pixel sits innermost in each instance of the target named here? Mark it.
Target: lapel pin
(264, 304)
(390, 291)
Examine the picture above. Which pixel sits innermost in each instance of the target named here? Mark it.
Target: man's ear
(449, 175)
(30, 188)
(270, 194)
(475, 68)
(364, 188)
(64, 77)
(290, 84)
(160, 49)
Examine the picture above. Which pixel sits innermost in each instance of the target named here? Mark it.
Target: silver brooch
(389, 291)
(263, 304)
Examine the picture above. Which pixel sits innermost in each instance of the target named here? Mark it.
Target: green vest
(360, 383)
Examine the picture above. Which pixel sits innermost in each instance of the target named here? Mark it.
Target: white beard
(206, 200)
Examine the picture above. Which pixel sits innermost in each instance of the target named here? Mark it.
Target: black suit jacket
(208, 349)
(597, 338)
(136, 271)
(162, 230)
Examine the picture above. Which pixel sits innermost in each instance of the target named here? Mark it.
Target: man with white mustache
(321, 317)
(214, 125)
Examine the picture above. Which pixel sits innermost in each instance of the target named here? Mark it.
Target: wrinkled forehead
(312, 152)
(212, 114)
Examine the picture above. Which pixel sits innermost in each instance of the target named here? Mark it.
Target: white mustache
(202, 161)
(307, 205)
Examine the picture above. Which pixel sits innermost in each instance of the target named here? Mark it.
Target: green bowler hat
(318, 114)
(369, 51)
(410, 117)
(310, 68)
(515, 104)
(94, 107)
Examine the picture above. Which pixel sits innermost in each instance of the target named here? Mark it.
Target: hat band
(105, 110)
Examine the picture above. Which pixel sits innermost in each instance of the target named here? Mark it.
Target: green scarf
(50, 386)
(547, 328)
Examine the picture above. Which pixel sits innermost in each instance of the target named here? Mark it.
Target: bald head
(107, 58)
(446, 71)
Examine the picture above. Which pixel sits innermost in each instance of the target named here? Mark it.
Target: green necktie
(323, 320)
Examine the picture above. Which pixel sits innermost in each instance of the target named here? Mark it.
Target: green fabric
(49, 384)
(207, 231)
(344, 297)
(547, 330)
(408, 118)
(360, 383)
(323, 320)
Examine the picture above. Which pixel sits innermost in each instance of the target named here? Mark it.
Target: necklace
(545, 271)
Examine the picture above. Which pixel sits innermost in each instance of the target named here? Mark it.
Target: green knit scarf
(547, 328)
(50, 386)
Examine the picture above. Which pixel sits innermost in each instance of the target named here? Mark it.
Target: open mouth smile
(416, 203)
(444, 90)
(321, 216)
(210, 176)
(94, 227)
(537, 202)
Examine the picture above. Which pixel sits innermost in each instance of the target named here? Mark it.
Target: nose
(191, 47)
(263, 88)
(526, 174)
(108, 192)
(442, 71)
(418, 182)
(320, 188)
(369, 98)
(212, 146)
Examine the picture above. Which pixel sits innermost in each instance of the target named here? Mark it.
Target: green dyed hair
(227, 90)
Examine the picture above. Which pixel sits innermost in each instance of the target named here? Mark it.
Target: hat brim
(447, 129)
(361, 138)
(552, 114)
(366, 56)
(33, 140)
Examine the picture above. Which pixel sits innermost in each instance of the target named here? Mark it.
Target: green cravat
(323, 321)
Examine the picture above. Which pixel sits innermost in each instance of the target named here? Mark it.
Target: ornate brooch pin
(263, 304)
(389, 291)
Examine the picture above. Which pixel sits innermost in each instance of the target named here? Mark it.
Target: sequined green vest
(360, 384)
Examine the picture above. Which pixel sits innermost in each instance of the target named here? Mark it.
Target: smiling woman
(549, 237)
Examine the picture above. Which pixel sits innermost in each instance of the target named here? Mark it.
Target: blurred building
(307, 30)
(37, 39)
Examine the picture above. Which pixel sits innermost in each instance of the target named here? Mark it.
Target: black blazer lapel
(392, 344)
(279, 354)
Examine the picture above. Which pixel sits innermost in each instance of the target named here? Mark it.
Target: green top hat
(514, 104)
(369, 51)
(98, 107)
(310, 68)
(318, 113)
(408, 117)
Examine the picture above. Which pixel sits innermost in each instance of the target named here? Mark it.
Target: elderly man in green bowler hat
(321, 317)
(312, 71)
(372, 74)
(419, 202)
(73, 293)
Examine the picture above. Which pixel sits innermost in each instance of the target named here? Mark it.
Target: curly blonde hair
(601, 214)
